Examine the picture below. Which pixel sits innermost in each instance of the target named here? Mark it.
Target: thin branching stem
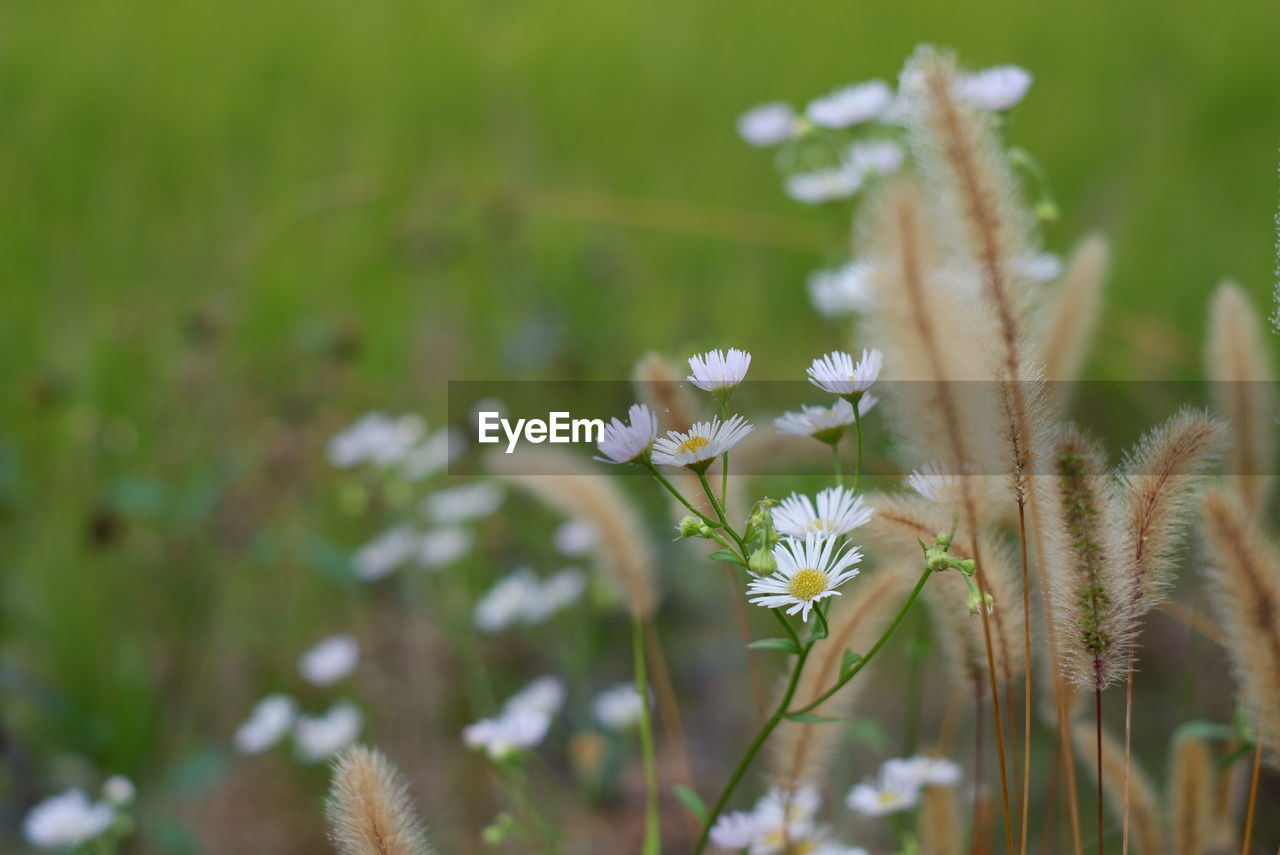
(652, 825)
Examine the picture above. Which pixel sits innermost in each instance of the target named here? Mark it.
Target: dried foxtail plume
(577, 488)
(662, 388)
(369, 810)
(1238, 367)
(1144, 809)
(899, 523)
(802, 753)
(940, 829)
(1068, 323)
(1089, 579)
(1190, 796)
(1244, 588)
(1159, 483)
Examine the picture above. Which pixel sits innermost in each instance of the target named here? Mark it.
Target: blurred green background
(229, 228)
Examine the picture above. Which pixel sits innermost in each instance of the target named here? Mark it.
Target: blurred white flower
(808, 572)
(66, 820)
(875, 157)
(1045, 267)
(850, 105)
(836, 372)
(385, 552)
(562, 589)
(443, 546)
(624, 442)
(784, 818)
(468, 502)
(118, 790)
(618, 708)
(432, 454)
(330, 660)
(932, 771)
(935, 483)
(504, 604)
(267, 724)
(995, 89)
(319, 737)
(544, 695)
(824, 423)
(507, 734)
(703, 443)
(375, 438)
(734, 831)
(841, 290)
(718, 369)
(768, 124)
(895, 789)
(576, 537)
(839, 511)
(824, 185)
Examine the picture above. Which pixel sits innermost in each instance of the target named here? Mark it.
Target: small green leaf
(850, 659)
(784, 644)
(810, 718)
(723, 555)
(692, 801)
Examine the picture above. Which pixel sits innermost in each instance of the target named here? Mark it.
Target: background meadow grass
(229, 228)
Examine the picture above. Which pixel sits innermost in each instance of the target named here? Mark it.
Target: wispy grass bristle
(1144, 807)
(369, 810)
(1067, 324)
(662, 387)
(1190, 796)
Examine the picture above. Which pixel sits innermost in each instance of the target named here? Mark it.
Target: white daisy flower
(808, 571)
(443, 546)
(1045, 267)
(507, 734)
(119, 790)
(330, 660)
(839, 512)
(876, 157)
(767, 124)
(883, 796)
(995, 89)
(842, 290)
(562, 589)
(784, 818)
(618, 708)
(734, 831)
(824, 185)
(935, 483)
(702, 444)
(385, 553)
(66, 820)
(375, 438)
(576, 538)
(836, 372)
(432, 454)
(850, 105)
(504, 604)
(718, 370)
(823, 423)
(544, 695)
(629, 443)
(459, 504)
(267, 724)
(931, 771)
(319, 737)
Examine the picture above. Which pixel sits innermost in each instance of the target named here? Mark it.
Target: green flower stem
(857, 430)
(897, 621)
(754, 748)
(724, 461)
(835, 462)
(652, 825)
(518, 787)
(653, 470)
(715, 503)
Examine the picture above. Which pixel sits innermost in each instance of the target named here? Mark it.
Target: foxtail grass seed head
(369, 810)
(837, 374)
(719, 371)
(839, 511)
(629, 442)
(698, 448)
(808, 572)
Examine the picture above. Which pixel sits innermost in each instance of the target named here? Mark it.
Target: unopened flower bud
(691, 527)
(761, 562)
(977, 599)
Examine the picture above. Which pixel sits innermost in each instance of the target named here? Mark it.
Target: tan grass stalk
(1238, 366)
(662, 387)
(1090, 586)
(369, 810)
(1148, 837)
(1190, 796)
(939, 824)
(1067, 325)
(1244, 589)
(802, 753)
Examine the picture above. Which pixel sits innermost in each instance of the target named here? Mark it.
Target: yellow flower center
(692, 444)
(820, 524)
(807, 584)
(886, 797)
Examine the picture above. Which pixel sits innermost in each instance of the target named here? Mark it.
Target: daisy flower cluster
(898, 785)
(72, 819)
(522, 598)
(522, 723)
(781, 822)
